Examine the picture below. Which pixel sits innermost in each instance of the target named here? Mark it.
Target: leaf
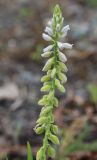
(29, 152)
(6, 158)
(92, 88)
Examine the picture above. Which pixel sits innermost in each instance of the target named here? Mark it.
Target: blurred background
(21, 26)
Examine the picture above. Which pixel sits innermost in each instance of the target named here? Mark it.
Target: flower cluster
(55, 77)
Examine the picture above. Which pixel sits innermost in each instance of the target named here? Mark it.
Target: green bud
(62, 77)
(59, 86)
(55, 102)
(53, 72)
(48, 64)
(45, 111)
(43, 100)
(49, 72)
(63, 67)
(45, 88)
(39, 130)
(54, 139)
(54, 129)
(39, 154)
(42, 120)
(50, 95)
(51, 152)
(45, 78)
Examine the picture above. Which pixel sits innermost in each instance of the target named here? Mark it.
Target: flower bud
(41, 120)
(59, 86)
(51, 152)
(54, 129)
(64, 45)
(45, 88)
(45, 78)
(39, 130)
(39, 154)
(62, 77)
(45, 111)
(53, 72)
(63, 67)
(46, 54)
(54, 139)
(46, 37)
(62, 57)
(48, 48)
(48, 64)
(55, 102)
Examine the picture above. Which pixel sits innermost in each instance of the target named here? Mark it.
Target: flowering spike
(53, 80)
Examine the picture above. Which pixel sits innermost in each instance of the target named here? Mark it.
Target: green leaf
(92, 88)
(6, 158)
(29, 152)
(54, 129)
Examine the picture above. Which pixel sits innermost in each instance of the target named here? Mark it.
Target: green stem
(47, 131)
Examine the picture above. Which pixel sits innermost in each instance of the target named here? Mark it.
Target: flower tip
(46, 37)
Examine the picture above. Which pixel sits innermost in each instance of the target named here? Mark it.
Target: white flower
(46, 54)
(62, 57)
(66, 29)
(48, 30)
(64, 45)
(48, 48)
(46, 37)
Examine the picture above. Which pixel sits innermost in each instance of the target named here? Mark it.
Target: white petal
(67, 45)
(46, 37)
(62, 57)
(48, 48)
(66, 28)
(46, 54)
(60, 45)
(48, 30)
(64, 45)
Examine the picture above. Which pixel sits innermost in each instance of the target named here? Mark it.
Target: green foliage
(26, 12)
(92, 3)
(92, 88)
(80, 145)
(29, 152)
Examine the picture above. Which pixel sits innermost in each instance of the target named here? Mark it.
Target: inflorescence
(55, 77)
